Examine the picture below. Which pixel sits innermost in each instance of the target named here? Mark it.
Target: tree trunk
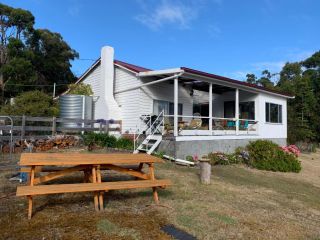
(205, 171)
(1, 88)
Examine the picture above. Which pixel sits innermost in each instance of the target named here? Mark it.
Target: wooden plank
(89, 187)
(54, 126)
(23, 124)
(37, 128)
(38, 159)
(62, 129)
(29, 196)
(127, 171)
(38, 119)
(154, 189)
(76, 120)
(8, 127)
(101, 193)
(94, 180)
(58, 174)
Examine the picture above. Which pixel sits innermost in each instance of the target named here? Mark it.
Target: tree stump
(205, 171)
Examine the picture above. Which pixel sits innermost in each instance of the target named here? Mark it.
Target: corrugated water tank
(76, 106)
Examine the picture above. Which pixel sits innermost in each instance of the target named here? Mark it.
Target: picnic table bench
(57, 165)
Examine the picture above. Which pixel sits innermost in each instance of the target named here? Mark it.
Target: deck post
(210, 108)
(175, 113)
(237, 111)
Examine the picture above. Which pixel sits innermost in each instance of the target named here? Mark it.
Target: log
(205, 171)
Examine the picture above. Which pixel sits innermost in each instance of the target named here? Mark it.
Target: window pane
(229, 109)
(274, 113)
(267, 112)
(159, 105)
(280, 113)
(246, 110)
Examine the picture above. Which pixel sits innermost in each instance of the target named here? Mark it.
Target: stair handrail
(151, 127)
(156, 127)
(139, 132)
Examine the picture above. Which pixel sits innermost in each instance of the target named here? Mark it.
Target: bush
(106, 140)
(266, 155)
(124, 143)
(80, 89)
(219, 158)
(159, 154)
(33, 103)
(99, 139)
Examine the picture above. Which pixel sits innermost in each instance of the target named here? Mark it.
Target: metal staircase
(153, 132)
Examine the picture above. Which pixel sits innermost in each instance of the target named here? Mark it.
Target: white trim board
(226, 137)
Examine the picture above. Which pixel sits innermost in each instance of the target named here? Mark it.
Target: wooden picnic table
(91, 165)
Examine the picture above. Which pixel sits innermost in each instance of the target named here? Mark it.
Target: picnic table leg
(152, 177)
(101, 193)
(94, 180)
(30, 197)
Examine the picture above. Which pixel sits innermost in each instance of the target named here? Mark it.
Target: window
(167, 107)
(273, 113)
(246, 110)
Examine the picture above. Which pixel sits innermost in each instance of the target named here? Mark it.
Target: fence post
(100, 127)
(106, 127)
(54, 126)
(23, 127)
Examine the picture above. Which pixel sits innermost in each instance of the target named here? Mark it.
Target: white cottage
(183, 111)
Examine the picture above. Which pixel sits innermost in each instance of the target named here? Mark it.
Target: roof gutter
(177, 74)
(159, 72)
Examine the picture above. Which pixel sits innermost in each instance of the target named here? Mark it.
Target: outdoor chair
(196, 122)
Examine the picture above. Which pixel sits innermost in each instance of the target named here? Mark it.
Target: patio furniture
(91, 165)
(196, 122)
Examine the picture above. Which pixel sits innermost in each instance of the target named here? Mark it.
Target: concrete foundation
(182, 149)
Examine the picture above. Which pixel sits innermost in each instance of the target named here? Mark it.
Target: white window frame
(280, 113)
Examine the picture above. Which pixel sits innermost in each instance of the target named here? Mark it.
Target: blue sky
(226, 37)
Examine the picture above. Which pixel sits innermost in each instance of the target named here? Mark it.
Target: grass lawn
(241, 203)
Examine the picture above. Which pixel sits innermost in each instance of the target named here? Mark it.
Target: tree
(13, 24)
(301, 109)
(302, 80)
(265, 80)
(80, 89)
(31, 56)
(251, 78)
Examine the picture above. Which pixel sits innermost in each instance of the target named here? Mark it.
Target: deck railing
(199, 125)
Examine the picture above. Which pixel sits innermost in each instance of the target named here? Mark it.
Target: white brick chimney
(107, 74)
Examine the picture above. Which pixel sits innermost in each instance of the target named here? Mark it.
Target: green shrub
(159, 154)
(124, 143)
(99, 139)
(33, 103)
(80, 89)
(266, 155)
(106, 140)
(219, 158)
(189, 158)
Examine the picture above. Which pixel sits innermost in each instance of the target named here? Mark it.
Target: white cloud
(165, 12)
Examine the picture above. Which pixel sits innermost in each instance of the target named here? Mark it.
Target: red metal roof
(132, 67)
(138, 69)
